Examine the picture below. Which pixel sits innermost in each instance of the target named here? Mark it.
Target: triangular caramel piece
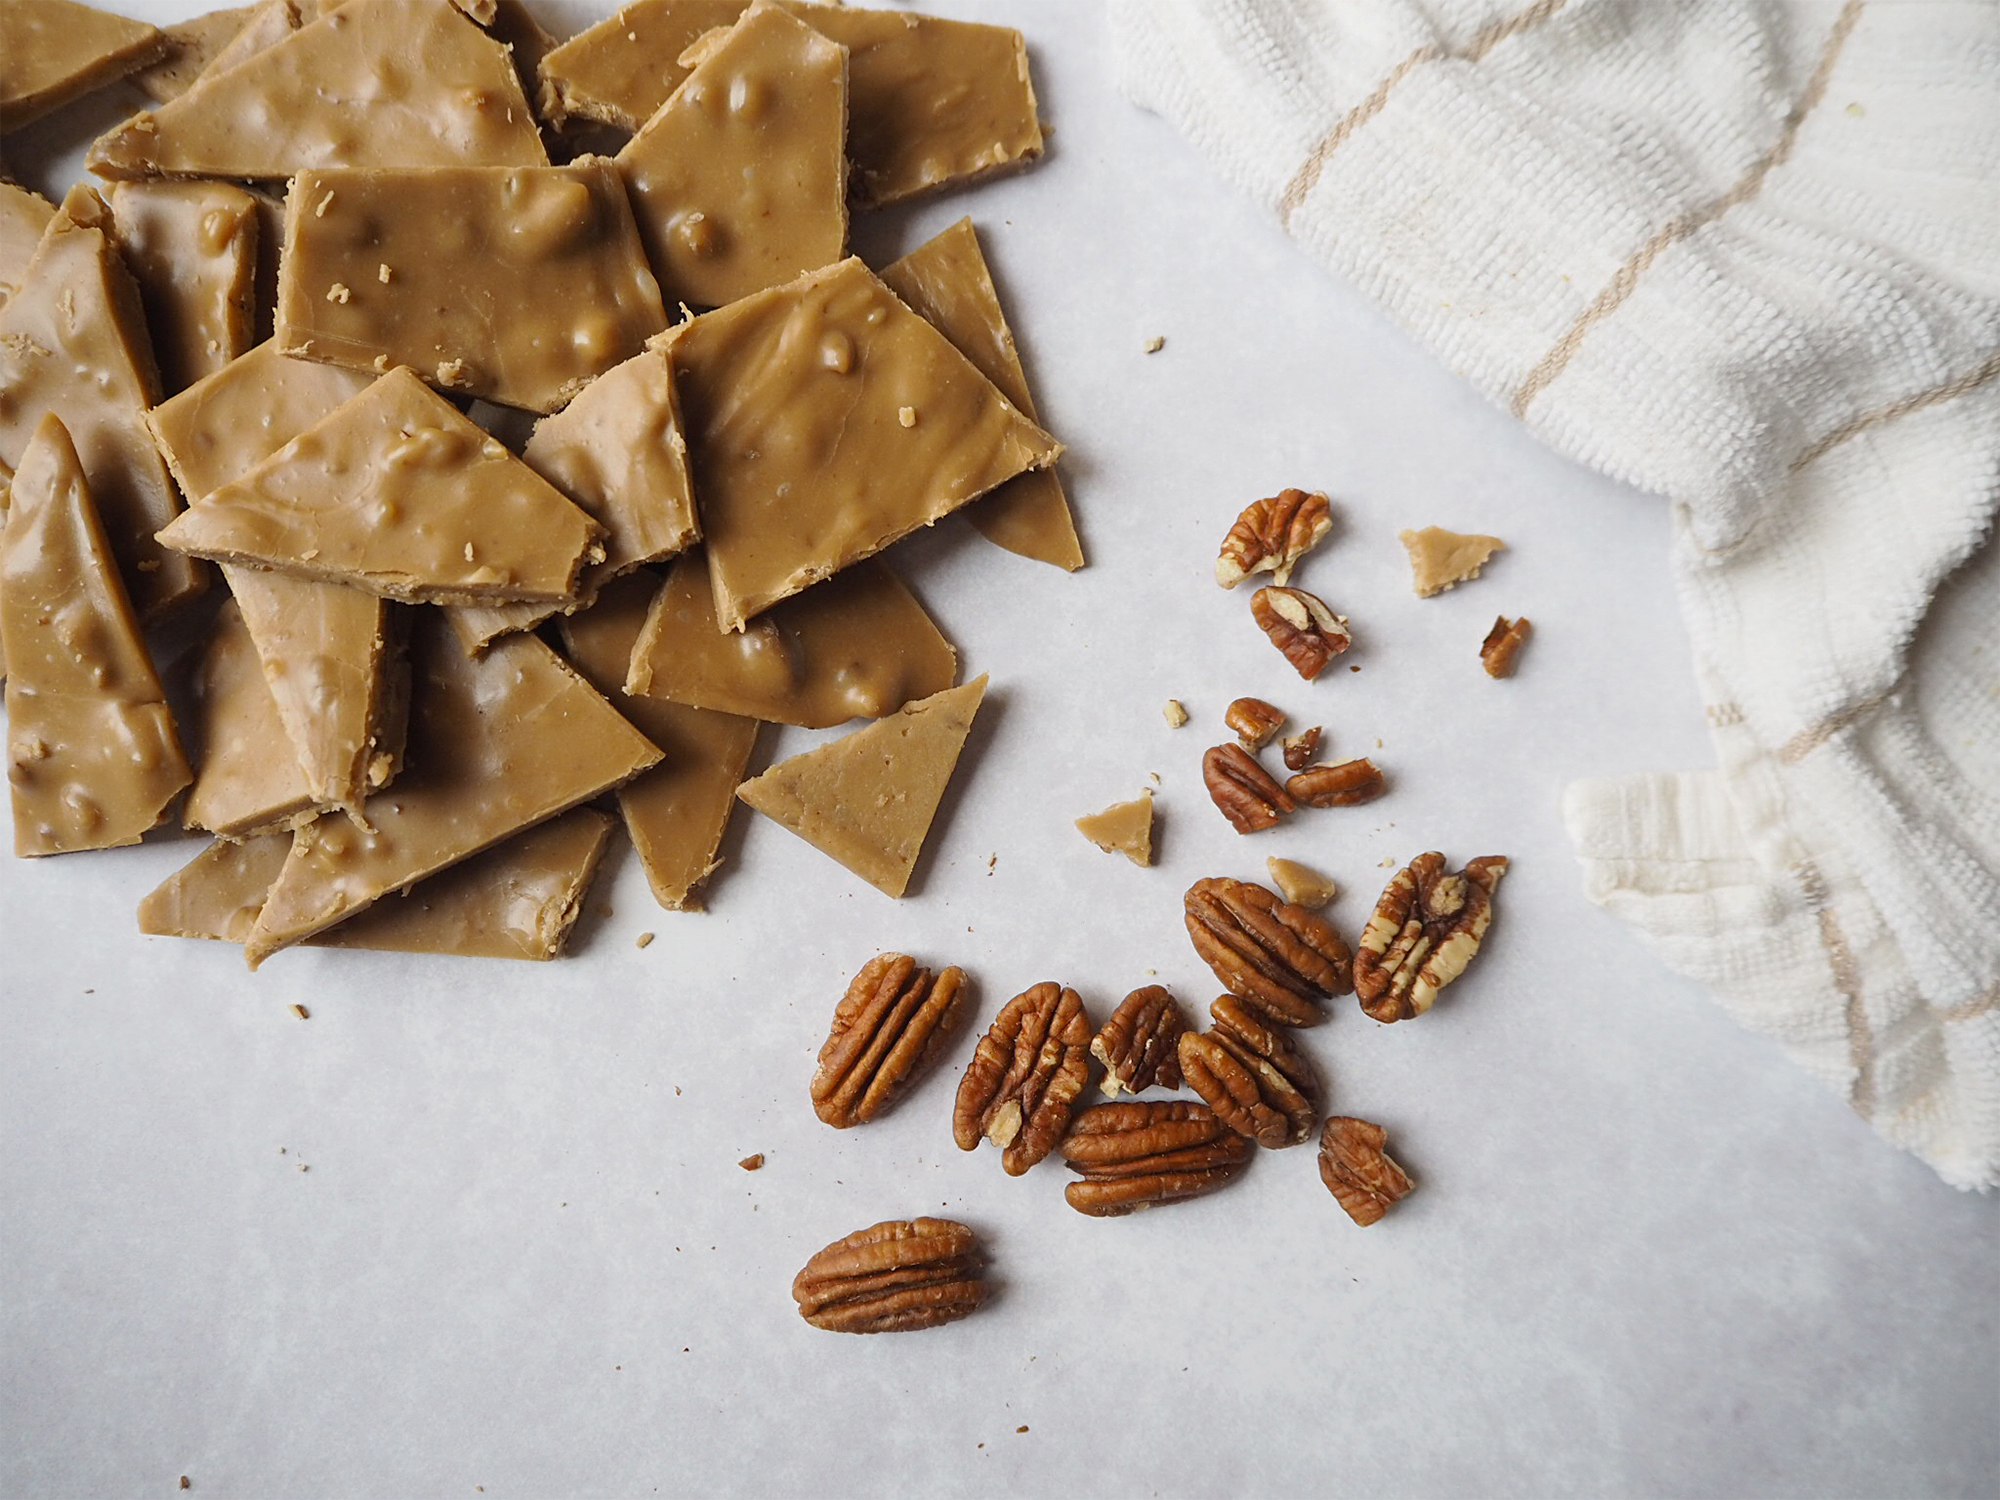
(857, 644)
(192, 247)
(218, 893)
(1123, 828)
(23, 217)
(1441, 559)
(623, 68)
(73, 342)
(411, 84)
(677, 811)
(246, 784)
(266, 26)
(825, 420)
(53, 51)
(397, 493)
(946, 280)
(92, 758)
(498, 743)
(739, 181)
(867, 799)
(190, 47)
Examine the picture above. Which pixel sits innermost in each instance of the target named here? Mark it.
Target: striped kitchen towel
(1744, 254)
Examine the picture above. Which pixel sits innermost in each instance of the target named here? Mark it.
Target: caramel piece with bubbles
(192, 247)
(189, 48)
(625, 67)
(53, 51)
(23, 217)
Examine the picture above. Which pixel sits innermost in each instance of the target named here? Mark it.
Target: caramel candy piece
(677, 811)
(825, 420)
(1441, 559)
(739, 181)
(1123, 828)
(517, 284)
(246, 784)
(626, 66)
(405, 85)
(53, 51)
(192, 247)
(23, 217)
(394, 492)
(267, 25)
(73, 342)
(498, 742)
(190, 47)
(867, 799)
(92, 758)
(859, 643)
(946, 281)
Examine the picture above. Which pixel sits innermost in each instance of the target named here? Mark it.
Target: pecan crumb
(1155, 344)
(644, 940)
(301, 1012)
(1300, 748)
(752, 1163)
(1503, 644)
(1254, 721)
(1174, 713)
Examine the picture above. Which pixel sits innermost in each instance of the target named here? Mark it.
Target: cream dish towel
(1744, 254)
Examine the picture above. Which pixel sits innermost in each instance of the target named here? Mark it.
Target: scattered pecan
(1024, 1078)
(1137, 1044)
(1275, 957)
(1357, 1171)
(1503, 643)
(1272, 535)
(1425, 930)
(1348, 784)
(1301, 626)
(1299, 884)
(886, 1027)
(1246, 793)
(1255, 1080)
(1254, 721)
(1300, 748)
(893, 1276)
(1135, 1155)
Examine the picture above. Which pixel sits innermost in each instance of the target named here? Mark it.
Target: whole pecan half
(1425, 930)
(1348, 784)
(891, 1277)
(1024, 1078)
(1271, 535)
(1358, 1171)
(1137, 1045)
(1277, 958)
(1248, 795)
(1135, 1155)
(886, 1027)
(1301, 626)
(1300, 748)
(1254, 721)
(1255, 1080)
(1502, 644)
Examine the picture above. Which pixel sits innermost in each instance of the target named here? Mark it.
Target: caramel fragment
(247, 784)
(189, 48)
(867, 799)
(266, 26)
(1123, 828)
(1441, 559)
(23, 217)
(800, 466)
(626, 66)
(192, 247)
(859, 643)
(92, 757)
(947, 282)
(53, 51)
(476, 256)
(1300, 885)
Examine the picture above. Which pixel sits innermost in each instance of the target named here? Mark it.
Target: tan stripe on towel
(1901, 407)
(1847, 981)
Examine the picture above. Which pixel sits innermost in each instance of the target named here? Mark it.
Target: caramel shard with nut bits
(1024, 1077)
(892, 1277)
(886, 1029)
(192, 247)
(622, 69)
(1357, 1169)
(92, 757)
(1441, 559)
(1132, 1156)
(247, 783)
(189, 46)
(1123, 828)
(1272, 535)
(23, 218)
(795, 401)
(53, 51)
(1424, 932)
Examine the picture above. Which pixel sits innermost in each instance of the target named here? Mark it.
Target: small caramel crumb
(1176, 715)
(338, 292)
(301, 1012)
(382, 274)
(752, 1163)
(907, 415)
(1155, 344)
(644, 940)
(1299, 884)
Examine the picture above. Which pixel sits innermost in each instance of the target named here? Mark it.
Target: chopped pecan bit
(1137, 1044)
(1300, 748)
(1246, 793)
(1503, 643)
(891, 1277)
(1299, 884)
(1272, 535)
(1135, 1155)
(1301, 626)
(1278, 958)
(1357, 1171)
(1175, 713)
(1348, 784)
(886, 1027)
(1425, 930)
(1255, 1080)
(1254, 721)
(1024, 1078)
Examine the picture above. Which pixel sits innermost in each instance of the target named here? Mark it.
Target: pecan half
(1024, 1078)
(1254, 721)
(1300, 748)
(1357, 1171)
(886, 1027)
(1271, 535)
(1348, 784)
(1137, 1044)
(1278, 958)
(891, 1277)
(1248, 795)
(1503, 643)
(1135, 1155)
(1425, 930)
(1301, 626)
(1255, 1080)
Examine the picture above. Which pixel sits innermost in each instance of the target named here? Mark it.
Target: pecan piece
(1301, 626)
(1425, 930)
(1300, 748)
(1271, 535)
(1255, 1080)
(1348, 784)
(886, 1027)
(1135, 1155)
(891, 1277)
(1254, 721)
(1273, 956)
(1503, 643)
(1024, 1078)
(1248, 795)
(1358, 1171)
(1137, 1044)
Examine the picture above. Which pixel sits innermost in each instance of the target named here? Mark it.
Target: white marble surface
(1647, 1257)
